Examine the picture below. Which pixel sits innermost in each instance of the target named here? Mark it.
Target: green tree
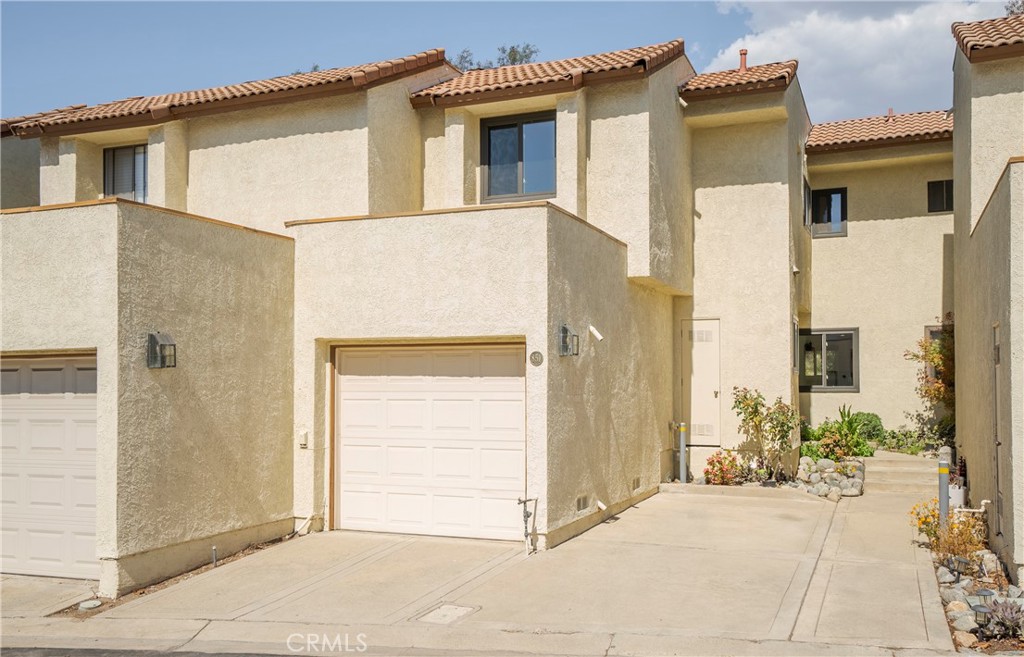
(312, 69)
(1014, 7)
(518, 53)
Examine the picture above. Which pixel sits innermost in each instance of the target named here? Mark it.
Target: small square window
(940, 196)
(829, 360)
(124, 173)
(518, 156)
(828, 212)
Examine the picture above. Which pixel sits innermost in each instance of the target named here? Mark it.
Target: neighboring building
(988, 158)
(424, 296)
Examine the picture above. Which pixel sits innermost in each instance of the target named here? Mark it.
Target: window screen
(124, 173)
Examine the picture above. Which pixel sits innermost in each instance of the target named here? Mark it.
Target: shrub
(925, 517)
(768, 427)
(870, 426)
(903, 440)
(842, 438)
(1005, 621)
(807, 432)
(811, 449)
(723, 469)
(962, 536)
(936, 383)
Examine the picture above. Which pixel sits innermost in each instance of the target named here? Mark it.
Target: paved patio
(709, 571)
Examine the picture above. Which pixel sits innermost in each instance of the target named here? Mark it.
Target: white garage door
(431, 440)
(49, 467)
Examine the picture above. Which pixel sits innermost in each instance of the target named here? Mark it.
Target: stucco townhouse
(400, 297)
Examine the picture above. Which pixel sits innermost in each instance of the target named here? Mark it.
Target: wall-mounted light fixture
(161, 351)
(568, 342)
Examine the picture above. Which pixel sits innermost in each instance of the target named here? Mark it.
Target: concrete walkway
(708, 571)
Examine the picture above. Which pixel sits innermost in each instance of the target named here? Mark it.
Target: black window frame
(843, 211)
(946, 195)
(518, 120)
(824, 387)
(108, 158)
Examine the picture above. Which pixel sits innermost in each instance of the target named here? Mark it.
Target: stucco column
(462, 153)
(69, 170)
(167, 166)
(570, 153)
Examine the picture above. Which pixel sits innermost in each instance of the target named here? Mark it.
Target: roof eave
(778, 84)
(991, 53)
(946, 135)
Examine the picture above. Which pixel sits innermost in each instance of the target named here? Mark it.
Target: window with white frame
(829, 360)
(518, 156)
(124, 173)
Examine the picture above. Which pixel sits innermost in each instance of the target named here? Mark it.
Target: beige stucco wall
(182, 454)
(890, 277)
(262, 167)
(990, 263)
(167, 166)
(435, 277)
(205, 448)
(742, 263)
(608, 408)
(70, 170)
(19, 172)
(58, 286)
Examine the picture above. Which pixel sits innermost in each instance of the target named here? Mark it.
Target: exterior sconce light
(981, 613)
(161, 351)
(568, 342)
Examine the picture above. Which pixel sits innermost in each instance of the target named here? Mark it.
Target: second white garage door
(431, 440)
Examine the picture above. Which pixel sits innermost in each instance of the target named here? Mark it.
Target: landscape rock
(803, 474)
(806, 461)
(1014, 592)
(859, 474)
(821, 489)
(834, 494)
(844, 483)
(944, 576)
(949, 594)
(850, 492)
(956, 605)
(814, 478)
(857, 485)
(954, 616)
(991, 564)
(825, 464)
(965, 639)
(832, 479)
(965, 623)
(699, 480)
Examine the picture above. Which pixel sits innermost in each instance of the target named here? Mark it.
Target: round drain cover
(89, 604)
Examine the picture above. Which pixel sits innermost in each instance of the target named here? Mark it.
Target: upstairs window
(518, 156)
(124, 173)
(828, 212)
(940, 196)
(829, 361)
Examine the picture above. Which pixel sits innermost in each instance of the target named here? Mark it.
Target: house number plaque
(536, 358)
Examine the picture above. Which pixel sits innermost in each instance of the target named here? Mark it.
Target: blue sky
(856, 58)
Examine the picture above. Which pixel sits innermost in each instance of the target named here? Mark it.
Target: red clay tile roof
(154, 109)
(545, 77)
(1001, 33)
(756, 78)
(880, 131)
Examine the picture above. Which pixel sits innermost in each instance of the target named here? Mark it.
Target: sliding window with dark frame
(940, 196)
(829, 360)
(828, 212)
(518, 157)
(124, 173)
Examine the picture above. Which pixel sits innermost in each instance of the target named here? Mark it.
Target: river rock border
(829, 479)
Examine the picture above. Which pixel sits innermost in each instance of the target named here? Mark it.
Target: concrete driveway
(712, 572)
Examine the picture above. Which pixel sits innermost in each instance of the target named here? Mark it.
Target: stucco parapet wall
(485, 211)
(1013, 165)
(891, 154)
(716, 111)
(125, 202)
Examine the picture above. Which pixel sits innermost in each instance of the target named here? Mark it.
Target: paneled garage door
(48, 432)
(431, 440)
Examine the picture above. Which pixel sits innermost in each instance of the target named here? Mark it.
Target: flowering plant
(723, 469)
(925, 517)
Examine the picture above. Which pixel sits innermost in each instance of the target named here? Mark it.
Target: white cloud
(858, 59)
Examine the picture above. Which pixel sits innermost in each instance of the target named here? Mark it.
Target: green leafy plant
(842, 438)
(769, 427)
(936, 382)
(869, 426)
(723, 469)
(1005, 621)
(907, 441)
(811, 448)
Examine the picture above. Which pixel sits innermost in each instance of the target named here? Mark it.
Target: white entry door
(48, 432)
(702, 403)
(431, 440)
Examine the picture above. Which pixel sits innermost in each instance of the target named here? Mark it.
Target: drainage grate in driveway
(446, 614)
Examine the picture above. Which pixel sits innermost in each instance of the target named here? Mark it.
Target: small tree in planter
(769, 427)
